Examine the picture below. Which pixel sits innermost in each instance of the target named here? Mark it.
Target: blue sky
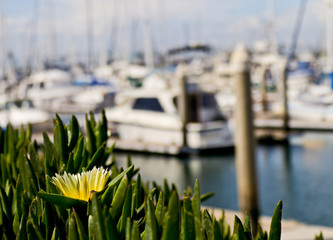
(30, 28)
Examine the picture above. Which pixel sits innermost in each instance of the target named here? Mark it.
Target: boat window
(150, 104)
(210, 109)
(11, 105)
(209, 100)
(201, 108)
(175, 101)
(26, 104)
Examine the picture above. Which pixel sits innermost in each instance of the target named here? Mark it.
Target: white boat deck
(151, 147)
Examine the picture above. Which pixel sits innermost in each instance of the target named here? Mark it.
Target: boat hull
(199, 138)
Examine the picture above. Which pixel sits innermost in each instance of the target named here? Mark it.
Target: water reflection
(298, 174)
(215, 174)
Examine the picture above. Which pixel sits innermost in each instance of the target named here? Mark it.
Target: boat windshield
(24, 104)
(202, 108)
(148, 104)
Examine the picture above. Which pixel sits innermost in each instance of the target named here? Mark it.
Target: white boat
(57, 91)
(148, 120)
(313, 104)
(44, 86)
(22, 112)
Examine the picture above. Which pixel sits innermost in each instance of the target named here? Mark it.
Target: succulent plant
(72, 188)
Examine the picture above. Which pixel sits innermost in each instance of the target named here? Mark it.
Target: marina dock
(271, 122)
(270, 126)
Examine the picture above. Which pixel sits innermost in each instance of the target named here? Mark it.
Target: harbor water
(300, 174)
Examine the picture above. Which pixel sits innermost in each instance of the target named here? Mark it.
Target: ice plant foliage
(128, 208)
(82, 185)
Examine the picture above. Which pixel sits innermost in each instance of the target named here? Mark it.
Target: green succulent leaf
(60, 140)
(135, 231)
(113, 184)
(151, 230)
(197, 211)
(55, 234)
(159, 211)
(70, 164)
(118, 199)
(206, 196)
(60, 200)
(74, 133)
(208, 223)
(97, 158)
(5, 204)
(171, 222)
(126, 211)
(98, 218)
(111, 228)
(72, 229)
(137, 196)
(217, 235)
(91, 135)
(80, 227)
(239, 233)
(188, 228)
(247, 226)
(275, 228)
(79, 154)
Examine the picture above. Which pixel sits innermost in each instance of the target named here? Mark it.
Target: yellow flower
(82, 185)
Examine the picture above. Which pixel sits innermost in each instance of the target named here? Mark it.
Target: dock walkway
(273, 122)
(270, 127)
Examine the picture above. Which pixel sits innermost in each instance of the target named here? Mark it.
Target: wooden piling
(264, 71)
(245, 142)
(283, 71)
(182, 101)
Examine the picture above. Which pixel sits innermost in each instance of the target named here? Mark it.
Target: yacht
(55, 90)
(22, 112)
(313, 104)
(148, 119)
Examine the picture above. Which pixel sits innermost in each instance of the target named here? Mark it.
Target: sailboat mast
(2, 42)
(103, 56)
(272, 28)
(127, 51)
(52, 46)
(114, 29)
(297, 29)
(329, 43)
(90, 42)
(148, 43)
(163, 29)
(32, 60)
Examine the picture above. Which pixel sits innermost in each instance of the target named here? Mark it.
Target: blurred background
(49, 30)
(163, 72)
